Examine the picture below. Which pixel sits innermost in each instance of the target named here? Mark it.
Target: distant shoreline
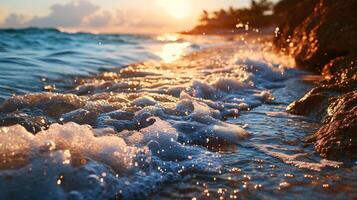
(254, 31)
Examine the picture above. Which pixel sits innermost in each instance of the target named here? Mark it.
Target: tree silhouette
(222, 19)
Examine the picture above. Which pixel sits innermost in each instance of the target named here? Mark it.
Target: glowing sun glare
(176, 8)
(172, 51)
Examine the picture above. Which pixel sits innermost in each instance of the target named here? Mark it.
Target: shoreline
(223, 111)
(328, 48)
(219, 112)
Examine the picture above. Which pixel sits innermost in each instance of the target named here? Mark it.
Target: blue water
(33, 58)
(156, 117)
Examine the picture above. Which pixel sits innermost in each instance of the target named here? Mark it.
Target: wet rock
(315, 36)
(321, 36)
(290, 14)
(313, 104)
(335, 105)
(337, 138)
(342, 71)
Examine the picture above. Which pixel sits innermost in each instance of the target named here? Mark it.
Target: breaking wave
(125, 133)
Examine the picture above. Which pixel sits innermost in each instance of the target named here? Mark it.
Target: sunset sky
(125, 16)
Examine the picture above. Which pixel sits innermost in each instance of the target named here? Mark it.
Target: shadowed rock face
(317, 31)
(325, 41)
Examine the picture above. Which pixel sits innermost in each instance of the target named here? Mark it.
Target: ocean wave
(53, 54)
(163, 120)
(127, 132)
(30, 30)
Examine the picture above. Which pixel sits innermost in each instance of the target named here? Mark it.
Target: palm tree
(204, 18)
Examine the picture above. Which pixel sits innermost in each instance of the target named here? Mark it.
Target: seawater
(32, 58)
(156, 117)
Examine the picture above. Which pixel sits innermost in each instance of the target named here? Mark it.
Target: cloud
(68, 15)
(83, 15)
(15, 20)
(2, 13)
(142, 19)
(100, 20)
(72, 14)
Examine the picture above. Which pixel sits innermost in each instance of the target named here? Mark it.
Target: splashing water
(207, 124)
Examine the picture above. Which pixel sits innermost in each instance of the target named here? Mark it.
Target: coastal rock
(321, 36)
(328, 31)
(313, 104)
(289, 15)
(337, 138)
(342, 71)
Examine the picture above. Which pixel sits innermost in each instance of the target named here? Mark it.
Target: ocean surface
(110, 116)
(31, 59)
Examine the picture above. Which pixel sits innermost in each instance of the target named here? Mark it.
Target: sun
(176, 8)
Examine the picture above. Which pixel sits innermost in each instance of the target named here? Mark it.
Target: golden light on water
(168, 37)
(176, 8)
(172, 51)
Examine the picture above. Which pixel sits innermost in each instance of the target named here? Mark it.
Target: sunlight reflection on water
(172, 51)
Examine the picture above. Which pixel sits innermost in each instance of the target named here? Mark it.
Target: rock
(335, 105)
(313, 104)
(321, 35)
(342, 70)
(290, 14)
(315, 36)
(337, 138)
